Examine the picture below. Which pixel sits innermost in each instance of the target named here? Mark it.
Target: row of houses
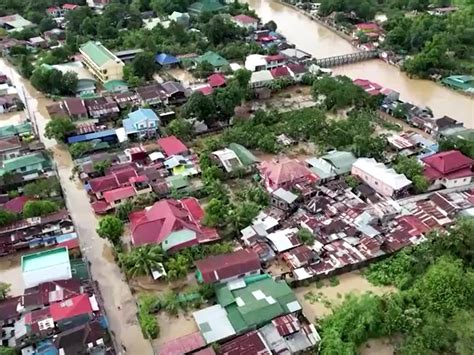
(60, 310)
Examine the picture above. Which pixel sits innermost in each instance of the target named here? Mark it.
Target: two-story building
(101, 62)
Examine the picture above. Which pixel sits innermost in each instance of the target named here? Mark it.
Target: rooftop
(44, 259)
(97, 53)
(388, 176)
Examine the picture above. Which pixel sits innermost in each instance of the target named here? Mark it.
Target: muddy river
(321, 42)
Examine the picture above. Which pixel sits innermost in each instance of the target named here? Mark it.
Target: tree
(7, 351)
(420, 184)
(220, 30)
(177, 267)
(123, 210)
(52, 81)
(43, 188)
(78, 150)
(46, 24)
(215, 213)
(39, 208)
(7, 217)
(243, 214)
(4, 290)
(110, 228)
(58, 128)
(144, 65)
(408, 166)
(203, 69)
(143, 260)
(180, 128)
(306, 236)
(101, 166)
(201, 107)
(351, 181)
(270, 25)
(226, 99)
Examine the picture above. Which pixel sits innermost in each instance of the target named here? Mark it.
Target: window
(376, 182)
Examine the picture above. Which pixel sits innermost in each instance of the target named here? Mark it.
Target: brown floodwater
(321, 42)
(114, 289)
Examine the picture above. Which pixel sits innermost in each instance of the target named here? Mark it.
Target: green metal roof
(23, 161)
(177, 181)
(256, 304)
(97, 53)
(245, 155)
(115, 85)
(462, 82)
(212, 58)
(205, 6)
(79, 269)
(342, 161)
(12, 130)
(44, 259)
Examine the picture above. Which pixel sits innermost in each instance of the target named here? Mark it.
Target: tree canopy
(111, 228)
(58, 128)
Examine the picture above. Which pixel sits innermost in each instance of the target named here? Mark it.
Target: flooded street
(115, 291)
(10, 273)
(321, 42)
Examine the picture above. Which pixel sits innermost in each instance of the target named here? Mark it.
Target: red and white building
(448, 169)
(248, 22)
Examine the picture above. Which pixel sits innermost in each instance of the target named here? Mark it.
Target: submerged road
(113, 287)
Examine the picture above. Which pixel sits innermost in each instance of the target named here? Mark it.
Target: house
(245, 156)
(216, 80)
(185, 345)
(49, 292)
(280, 72)
(459, 82)
(126, 99)
(72, 312)
(16, 130)
(296, 55)
(128, 55)
(297, 71)
(44, 266)
(15, 23)
(385, 181)
(98, 4)
(109, 136)
(284, 173)
(332, 164)
(172, 146)
(88, 336)
(218, 62)
(30, 164)
(174, 224)
(86, 83)
(111, 181)
(102, 108)
(10, 103)
(435, 126)
(16, 204)
(283, 199)
(203, 6)
(248, 343)
(448, 169)
(227, 159)
(255, 62)
(56, 34)
(275, 61)
(254, 303)
(166, 60)
(247, 22)
(140, 123)
(75, 108)
(181, 18)
(10, 148)
(443, 11)
(260, 79)
(55, 11)
(175, 91)
(37, 42)
(179, 165)
(283, 239)
(101, 62)
(227, 267)
(152, 95)
(370, 30)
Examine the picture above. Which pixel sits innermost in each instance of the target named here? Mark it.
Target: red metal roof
(224, 266)
(280, 72)
(287, 324)
(275, 58)
(372, 27)
(172, 146)
(123, 176)
(284, 171)
(100, 207)
(103, 183)
(216, 80)
(70, 6)
(154, 225)
(245, 19)
(71, 308)
(194, 207)
(249, 343)
(206, 90)
(297, 68)
(448, 162)
(8, 308)
(70, 244)
(183, 345)
(119, 194)
(16, 204)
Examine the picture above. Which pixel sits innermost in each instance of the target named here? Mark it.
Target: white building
(260, 79)
(227, 159)
(255, 62)
(44, 266)
(383, 180)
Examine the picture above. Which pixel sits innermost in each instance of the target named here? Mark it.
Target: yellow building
(101, 62)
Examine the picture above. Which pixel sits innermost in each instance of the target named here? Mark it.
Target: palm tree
(142, 260)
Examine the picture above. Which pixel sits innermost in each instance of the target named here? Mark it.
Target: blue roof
(91, 136)
(140, 115)
(166, 59)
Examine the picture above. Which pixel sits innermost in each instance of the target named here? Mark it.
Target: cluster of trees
(141, 69)
(365, 9)
(37, 208)
(438, 44)
(43, 188)
(465, 146)
(111, 228)
(53, 81)
(221, 104)
(59, 128)
(433, 310)
(413, 170)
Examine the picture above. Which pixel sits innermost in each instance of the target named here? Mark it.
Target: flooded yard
(10, 273)
(323, 298)
(172, 327)
(380, 346)
(12, 118)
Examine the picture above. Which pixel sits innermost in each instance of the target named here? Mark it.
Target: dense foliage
(433, 312)
(110, 228)
(39, 208)
(58, 128)
(413, 170)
